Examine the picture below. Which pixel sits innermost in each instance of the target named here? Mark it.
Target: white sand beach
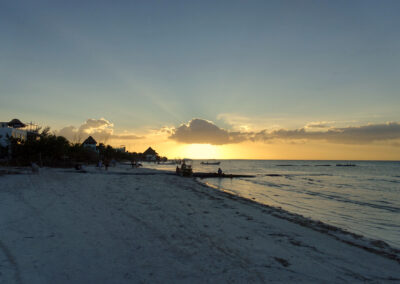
(139, 225)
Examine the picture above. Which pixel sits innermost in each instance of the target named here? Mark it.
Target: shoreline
(376, 246)
(144, 225)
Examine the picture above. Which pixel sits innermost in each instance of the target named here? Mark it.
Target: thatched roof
(16, 123)
(90, 140)
(150, 151)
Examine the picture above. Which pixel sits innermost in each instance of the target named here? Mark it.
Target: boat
(210, 163)
(345, 165)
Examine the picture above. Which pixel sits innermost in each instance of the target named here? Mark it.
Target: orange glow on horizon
(278, 151)
(201, 151)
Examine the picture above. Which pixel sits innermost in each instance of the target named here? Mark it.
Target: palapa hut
(150, 154)
(16, 123)
(90, 143)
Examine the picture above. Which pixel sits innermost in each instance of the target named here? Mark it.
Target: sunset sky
(208, 79)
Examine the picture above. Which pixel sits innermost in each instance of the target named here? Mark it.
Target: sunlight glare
(201, 151)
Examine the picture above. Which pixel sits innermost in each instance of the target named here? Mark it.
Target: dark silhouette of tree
(48, 149)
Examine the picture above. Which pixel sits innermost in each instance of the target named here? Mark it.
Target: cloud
(94, 125)
(69, 132)
(101, 129)
(205, 132)
(167, 130)
(318, 124)
(345, 135)
(253, 123)
(125, 136)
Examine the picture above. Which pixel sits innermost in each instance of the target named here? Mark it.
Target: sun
(201, 151)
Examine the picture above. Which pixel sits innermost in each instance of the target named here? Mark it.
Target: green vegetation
(48, 149)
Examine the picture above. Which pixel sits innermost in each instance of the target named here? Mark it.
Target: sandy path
(59, 227)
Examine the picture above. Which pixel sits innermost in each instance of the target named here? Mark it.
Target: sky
(208, 79)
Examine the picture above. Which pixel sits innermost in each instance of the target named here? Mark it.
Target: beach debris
(282, 261)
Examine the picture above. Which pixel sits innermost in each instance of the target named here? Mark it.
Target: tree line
(48, 149)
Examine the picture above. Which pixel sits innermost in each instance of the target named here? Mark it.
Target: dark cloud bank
(205, 132)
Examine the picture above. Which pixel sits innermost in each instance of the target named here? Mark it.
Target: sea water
(363, 198)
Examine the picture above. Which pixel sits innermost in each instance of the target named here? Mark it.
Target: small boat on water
(345, 165)
(210, 163)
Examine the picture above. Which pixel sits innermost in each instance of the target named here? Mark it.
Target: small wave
(265, 183)
(356, 202)
(293, 165)
(274, 175)
(384, 180)
(306, 175)
(327, 196)
(341, 185)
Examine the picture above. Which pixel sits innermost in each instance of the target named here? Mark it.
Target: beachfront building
(150, 155)
(90, 143)
(121, 149)
(12, 129)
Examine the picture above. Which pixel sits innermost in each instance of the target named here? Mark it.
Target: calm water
(364, 199)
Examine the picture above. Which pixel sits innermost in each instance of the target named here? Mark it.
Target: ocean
(363, 199)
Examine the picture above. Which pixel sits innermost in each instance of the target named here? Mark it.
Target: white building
(12, 129)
